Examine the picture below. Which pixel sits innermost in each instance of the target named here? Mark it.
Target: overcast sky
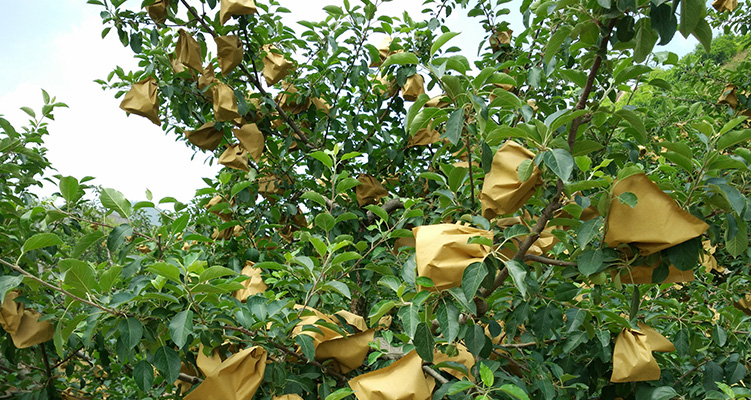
(57, 45)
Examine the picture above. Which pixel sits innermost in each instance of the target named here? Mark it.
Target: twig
(435, 374)
(528, 344)
(549, 261)
(193, 380)
(691, 371)
(390, 206)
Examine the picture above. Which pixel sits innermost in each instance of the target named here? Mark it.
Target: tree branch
(549, 261)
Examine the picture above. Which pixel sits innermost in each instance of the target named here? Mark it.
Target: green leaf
(215, 272)
(505, 100)
(69, 188)
(338, 287)
(460, 386)
(168, 271)
(448, 320)
(631, 72)
(629, 199)
(525, 170)
(379, 211)
(636, 122)
(691, 12)
(518, 272)
(346, 184)
(472, 278)
(131, 332)
(325, 221)
(167, 362)
(454, 126)
(180, 223)
(663, 393)
(486, 375)
(587, 231)
(379, 310)
(560, 162)
(424, 342)
(663, 21)
(732, 138)
(736, 236)
(403, 58)
(340, 394)
(7, 283)
(703, 33)
(115, 201)
(409, 316)
(117, 237)
(306, 345)
(310, 195)
(239, 187)
(474, 339)
(555, 42)
(81, 278)
(29, 111)
(143, 374)
(109, 277)
(180, 327)
(324, 158)
(440, 42)
(40, 240)
(590, 261)
(684, 256)
(514, 391)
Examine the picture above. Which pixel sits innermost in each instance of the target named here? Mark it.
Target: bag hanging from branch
(251, 139)
(236, 378)
(178, 67)
(539, 247)
(440, 101)
(414, 87)
(254, 285)
(23, 325)
(424, 137)
(207, 137)
(235, 157)
(725, 5)
(206, 79)
(384, 85)
(642, 274)
(158, 11)
(632, 357)
(270, 184)
(228, 233)
(188, 51)
(226, 217)
(290, 100)
(502, 191)
(654, 224)
(383, 53)
(499, 38)
(232, 8)
(225, 102)
(229, 51)
(442, 253)
(728, 95)
(463, 357)
(142, 100)
(321, 104)
(402, 380)
(275, 66)
(369, 191)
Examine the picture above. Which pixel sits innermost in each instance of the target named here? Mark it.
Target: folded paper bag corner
(236, 378)
(231, 8)
(380, 384)
(142, 99)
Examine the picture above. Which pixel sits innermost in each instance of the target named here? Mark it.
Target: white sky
(57, 45)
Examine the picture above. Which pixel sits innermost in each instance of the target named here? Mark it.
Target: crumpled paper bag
(464, 357)
(158, 11)
(235, 157)
(442, 253)
(206, 137)
(236, 378)
(642, 274)
(270, 184)
(424, 137)
(23, 325)
(383, 52)
(228, 233)
(542, 245)
(225, 102)
(744, 304)
(321, 104)
(226, 217)
(632, 357)
(346, 352)
(206, 79)
(728, 95)
(414, 87)
(499, 38)
(384, 85)
(142, 100)
(251, 139)
(229, 51)
(502, 191)
(275, 66)
(402, 380)
(707, 259)
(254, 285)
(440, 101)
(656, 222)
(725, 5)
(178, 67)
(231, 8)
(291, 101)
(188, 51)
(369, 191)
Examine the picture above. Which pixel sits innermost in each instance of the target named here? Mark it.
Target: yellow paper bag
(188, 51)
(158, 11)
(231, 8)
(654, 224)
(725, 5)
(642, 274)
(321, 104)
(291, 101)
(207, 79)
(142, 100)
(500, 38)
(441, 101)
(384, 85)
(383, 52)
(229, 51)
(464, 357)
(414, 87)
(442, 252)
(235, 157)
(424, 137)
(236, 378)
(11, 312)
(369, 191)
(23, 325)
(402, 380)
(254, 285)
(744, 304)
(728, 95)
(251, 139)
(632, 358)
(655, 339)
(707, 259)
(225, 102)
(206, 137)
(228, 233)
(503, 192)
(226, 217)
(275, 66)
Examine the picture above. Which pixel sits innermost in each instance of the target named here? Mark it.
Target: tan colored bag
(158, 11)
(229, 51)
(442, 253)
(725, 5)
(321, 104)
(369, 191)
(142, 100)
(464, 357)
(235, 157)
(402, 380)
(654, 224)
(291, 101)
(383, 52)
(632, 357)
(728, 95)
(188, 51)
(424, 137)
(275, 66)
(23, 325)
(384, 85)
(206, 79)
(503, 192)
(206, 137)
(254, 285)
(251, 139)
(236, 378)
(642, 274)
(225, 102)
(232, 8)
(414, 87)
(500, 38)
(439, 101)
(226, 217)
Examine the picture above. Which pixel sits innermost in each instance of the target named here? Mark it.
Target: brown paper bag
(440, 101)
(254, 285)
(383, 52)
(464, 357)
(207, 79)
(225, 102)
(229, 51)
(226, 217)
(270, 184)
(11, 312)
(502, 191)
(206, 137)
(275, 66)
(142, 100)
(321, 104)
(178, 67)
(414, 87)
(227, 234)
(656, 222)
(642, 274)
(158, 11)
(236, 378)
(744, 304)
(188, 369)
(442, 252)
(632, 358)
(655, 339)
(291, 101)
(728, 95)
(384, 85)
(725, 5)
(707, 259)
(231, 8)
(424, 137)
(500, 38)
(235, 157)
(542, 245)
(188, 51)
(402, 380)
(23, 325)
(251, 139)
(369, 191)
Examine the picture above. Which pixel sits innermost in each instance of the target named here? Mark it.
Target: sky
(56, 45)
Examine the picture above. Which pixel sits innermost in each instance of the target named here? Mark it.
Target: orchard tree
(560, 219)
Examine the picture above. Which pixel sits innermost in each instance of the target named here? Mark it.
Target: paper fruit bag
(369, 191)
(402, 380)
(142, 100)
(235, 157)
(206, 137)
(229, 51)
(502, 191)
(231, 8)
